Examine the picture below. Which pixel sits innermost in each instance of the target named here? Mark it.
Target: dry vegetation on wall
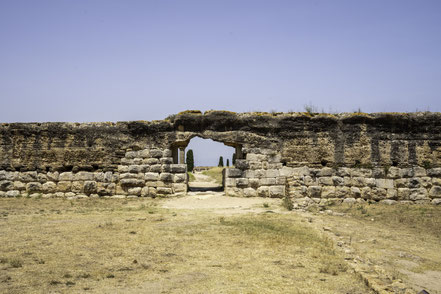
(124, 246)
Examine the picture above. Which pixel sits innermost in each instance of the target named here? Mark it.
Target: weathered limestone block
(178, 168)
(388, 202)
(254, 183)
(378, 172)
(166, 160)
(436, 181)
(281, 181)
(326, 181)
(166, 177)
(418, 194)
(134, 191)
(309, 181)
(378, 193)
(167, 153)
(385, 183)
(83, 176)
(325, 172)
(401, 183)
(137, 161)
(229, 182)
(132, 154)
(419, 172)
(366, 193)
(257, 164)
(250, 192)
(77, 186)
(151, 161)
(28, 176)
(2, 175)
(298, 192)
(393, 172)
(179, 178)
(277, 191)
(355, 192)
(13, 193)
(286, 171)
(123, 169)
(337, 181)
(342, 192)
(358, 182)
(132, 182)
(328, 192)
(41, 178)
(242, 182)
(349, 201)
(128, 176)
(145, 153)
(234, 192)
(272, 173)
(259, 173)
(426, 182)
(33, 187)
(403, 193)
(370, 182)
(59, 194)
(166, 168)
(435, 192)
(66, 176)
(134, 169)
(267, 181)
(156, 153)
(405, 173)
(108, 177)
(157, 168)
(314, 191)
(179, 188)
(392, 194)
(127, 161)
(145, 191)
(241, 164)
(434, 172)
(90, 187)
(256, 157)
(98, 176)
(436, 201)
(64, 186)
(343, 172)
(249, 173)
(17, 185)
(164, 190)
(361, 172)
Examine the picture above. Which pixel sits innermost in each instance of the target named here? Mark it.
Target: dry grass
(215, 173)
(133, 246)
(191, 177)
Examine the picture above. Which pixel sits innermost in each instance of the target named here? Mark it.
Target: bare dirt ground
(206, 242)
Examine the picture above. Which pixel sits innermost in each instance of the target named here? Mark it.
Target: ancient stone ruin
(308, 157)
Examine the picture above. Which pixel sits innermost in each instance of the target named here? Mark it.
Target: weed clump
(287, 203)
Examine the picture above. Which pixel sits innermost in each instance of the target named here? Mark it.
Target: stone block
(242, 182)
(17, 185)
(128, 176)
(151, 161)
(414, 183)
(267, 181)
(418, 194)
(178, 168)
(349, 201)
(59, 194)
(286, 171)
(301, 171)
(378, 193)
(426, 182)
(157, 168)
(53, 176)
(41, 178)
(123, 169)
(257, 164)
(179, 188)
(281, 181)
(435, 192)
(325, 172)
(126, 161)
(134, 169)
(358, 182)
(277, 191)
(419, 172)
(249, 173)
(98, 176)
(132, 182)
(314, 191)
(180, 178)
(241, 164)
(385, 183)
(326, 181)
(337, 181)
(391, 194)
(2, 175)
(298, 192)
(403, 193)
(378, 172)
(83, 176)
(166, 160)
(12, 193)
(405, 173)
(343, 172)
(342, 192)
(132, 154)
(309, 181)
(393, 172)
(66, 176)
(230, 182)
(328, 192)
(355, 192)
(166, 177)
(108, 177)
(164, 190)
(436, 181)
(361, 172)
(28, 176)
(64, 186)
(401, 183)
(145, 153)
(90, 187)
(234, 192)
(388, 202)
(145, 192)
(137, 161)
(166, 168)
(134, 191)
(259, 173)
(272, 173)
(263, 191)
(156, 153)
(370, 182)
(254, 183)
(256, 157)
(365, 193)
(249, 192)
(77, 186)
(436, 201)
(434, 172)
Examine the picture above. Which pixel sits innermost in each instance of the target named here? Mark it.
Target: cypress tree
(228, 162)
(221, 162)
(190, 160)
(234, 159)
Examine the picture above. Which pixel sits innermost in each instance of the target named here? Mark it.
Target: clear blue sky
(108, 60)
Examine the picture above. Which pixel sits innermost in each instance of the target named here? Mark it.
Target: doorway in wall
(206, 159)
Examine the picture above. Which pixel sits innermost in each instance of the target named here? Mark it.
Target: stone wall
(317, 156)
